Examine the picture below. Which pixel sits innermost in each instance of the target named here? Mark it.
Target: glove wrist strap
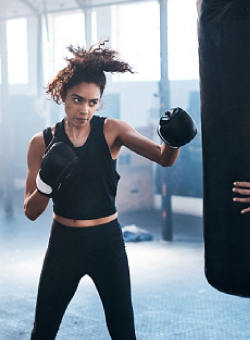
(42, 187)
(164, 140)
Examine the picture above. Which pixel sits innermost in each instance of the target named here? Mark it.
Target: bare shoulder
(115, 130)
(111, 122)
(116, 125)
(37, 141)
(36, 147)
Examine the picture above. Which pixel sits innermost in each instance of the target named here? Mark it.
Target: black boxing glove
(177, 128)
(58, 163)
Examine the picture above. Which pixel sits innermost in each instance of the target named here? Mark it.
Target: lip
(81, 120)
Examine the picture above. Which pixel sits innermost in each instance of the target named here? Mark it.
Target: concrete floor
(172, 299)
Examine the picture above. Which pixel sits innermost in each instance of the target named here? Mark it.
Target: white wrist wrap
(43, 187)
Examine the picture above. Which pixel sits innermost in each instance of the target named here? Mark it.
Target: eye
(93, 102)
(76, 100)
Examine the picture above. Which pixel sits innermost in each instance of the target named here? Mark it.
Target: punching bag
(224, 62)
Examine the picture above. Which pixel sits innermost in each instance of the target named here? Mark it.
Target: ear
(101, 105)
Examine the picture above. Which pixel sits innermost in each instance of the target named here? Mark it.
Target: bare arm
(34, 202)
(242, 188)
(119, 133)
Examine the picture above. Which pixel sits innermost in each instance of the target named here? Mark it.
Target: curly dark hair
(86, 66)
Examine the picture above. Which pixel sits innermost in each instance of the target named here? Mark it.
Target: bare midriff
(84, 223)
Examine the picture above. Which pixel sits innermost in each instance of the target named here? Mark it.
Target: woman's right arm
(34, 202)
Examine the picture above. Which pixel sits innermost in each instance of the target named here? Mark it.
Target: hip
(95, 236)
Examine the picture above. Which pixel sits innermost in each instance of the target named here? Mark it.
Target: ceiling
(10, 9)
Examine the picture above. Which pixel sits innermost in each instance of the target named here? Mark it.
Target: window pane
(182, 39)
(17, 51)
(68, 30)
(139, 40)
(136, 35)
(94, 27)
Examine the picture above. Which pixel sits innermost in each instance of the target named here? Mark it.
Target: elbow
(29, 215)
(167, 163)
(34, 205)
(31, 218)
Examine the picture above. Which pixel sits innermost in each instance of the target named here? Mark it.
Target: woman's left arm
(119, 133)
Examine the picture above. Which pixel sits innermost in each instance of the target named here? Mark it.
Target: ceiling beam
(28, 4)
(81, 4)
(73, 8)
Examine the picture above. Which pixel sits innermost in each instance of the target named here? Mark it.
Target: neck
(77, 135)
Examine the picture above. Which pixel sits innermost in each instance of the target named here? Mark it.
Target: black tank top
(91, 192)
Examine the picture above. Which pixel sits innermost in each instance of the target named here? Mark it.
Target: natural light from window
(17, 51)
(136, 34)
(182, 40)
(68, 30)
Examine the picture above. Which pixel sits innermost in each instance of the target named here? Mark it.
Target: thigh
(110, 273)
(58, 282)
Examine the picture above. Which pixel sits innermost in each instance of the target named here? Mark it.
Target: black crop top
(91, 192)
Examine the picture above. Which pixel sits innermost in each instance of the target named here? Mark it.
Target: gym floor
(171, 297)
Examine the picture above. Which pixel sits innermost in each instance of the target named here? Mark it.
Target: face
(81, 102)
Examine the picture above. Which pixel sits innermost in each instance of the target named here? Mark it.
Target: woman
(74, 163)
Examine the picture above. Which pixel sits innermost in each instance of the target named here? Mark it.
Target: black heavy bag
(224, 55)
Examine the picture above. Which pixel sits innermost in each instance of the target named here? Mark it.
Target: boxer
(74, 163)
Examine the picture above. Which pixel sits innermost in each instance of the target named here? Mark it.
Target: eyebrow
(77, 95)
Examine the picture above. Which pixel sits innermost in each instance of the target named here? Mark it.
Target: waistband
(100, 235)
(111, 224)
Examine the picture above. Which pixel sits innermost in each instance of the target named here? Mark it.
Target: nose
(84, 108)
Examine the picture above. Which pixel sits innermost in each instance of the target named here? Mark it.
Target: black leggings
(72, 252)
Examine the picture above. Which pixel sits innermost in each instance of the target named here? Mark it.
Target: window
(182, 40)
(136, 35)
(94, 27)
(68, 30)
(17, 50)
